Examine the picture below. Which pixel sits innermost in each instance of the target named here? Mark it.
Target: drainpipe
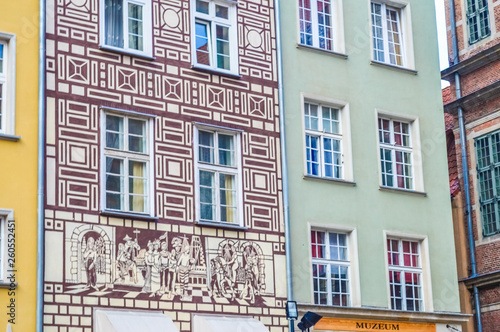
(465, 168)
(284, 169)
(41, 167)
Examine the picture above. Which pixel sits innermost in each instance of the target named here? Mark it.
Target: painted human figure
(89, 258)
(149, 261)
(184, 265)
(172, 266)
(163, 267)
(131, 250)
(230, 264)
(155, 268)
(121, 263)
(251, 287)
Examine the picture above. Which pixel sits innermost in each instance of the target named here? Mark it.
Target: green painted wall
(367, 87)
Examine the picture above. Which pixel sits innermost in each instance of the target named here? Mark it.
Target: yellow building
(19, 35)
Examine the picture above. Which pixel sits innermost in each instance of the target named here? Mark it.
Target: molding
(122, 51)
(215, 71)
(474, 98)
(11, 138)
(8, 285)
(492, 278)
(318, 178)
(398, 68)
(405, 191)
(473, 63)
(319, 50)
(220, 225)
(482, 120)
(128, 215)
(383, 314)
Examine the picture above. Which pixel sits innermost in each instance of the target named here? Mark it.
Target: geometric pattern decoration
(81, 79)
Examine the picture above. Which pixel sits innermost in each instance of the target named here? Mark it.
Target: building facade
(371, 226)
(18, 163)
(473, 43)
(163, 205)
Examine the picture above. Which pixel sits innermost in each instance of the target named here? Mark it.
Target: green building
(369, 203)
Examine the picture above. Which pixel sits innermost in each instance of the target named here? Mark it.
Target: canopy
(205, 323)
(132, 321)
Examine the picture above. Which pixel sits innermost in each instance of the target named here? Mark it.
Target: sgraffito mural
(133, 263)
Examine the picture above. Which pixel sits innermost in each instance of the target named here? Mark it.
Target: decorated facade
(163, 182)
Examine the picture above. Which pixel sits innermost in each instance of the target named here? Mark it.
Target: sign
(363, 325)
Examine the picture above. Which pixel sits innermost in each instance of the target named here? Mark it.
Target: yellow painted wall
(18, 161)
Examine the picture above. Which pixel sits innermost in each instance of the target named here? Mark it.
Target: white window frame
(6, 217)
(353, 259)
(211, 20)
(147, 157)
(406, 34)
(8, 79)
(344, 136)
(416, 154)
(235, 170)
(337, 25)
(147, 28)
(426, 284)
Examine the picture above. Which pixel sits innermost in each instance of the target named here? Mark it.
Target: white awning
(207, 323)
(132, 321)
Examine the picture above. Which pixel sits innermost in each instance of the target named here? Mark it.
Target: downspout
(465, 167)
(284, 169)
(41, 167)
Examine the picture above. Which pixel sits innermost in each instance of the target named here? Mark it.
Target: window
(488, 174)
(218, 176)
(315, 23)
(387, 34)
(330, 268)
(396, 153)
(127, 162)
(405, 274)
(477, 20)
(7, 243)
(323, 141)
(215, 35)
(127, 25)
(7, 83)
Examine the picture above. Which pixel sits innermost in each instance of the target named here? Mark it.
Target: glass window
(396, 153)
(387, 35)
(127, 25)
(214, 35)
(315, 23)
(217, 177)
(127, 160)
(330, 267)
(488, 175)
(405, 274)
(477, 20)
(323, 141)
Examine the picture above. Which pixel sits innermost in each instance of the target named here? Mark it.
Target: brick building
(474, 44)
(163, 185)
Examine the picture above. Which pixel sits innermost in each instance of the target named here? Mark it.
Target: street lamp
(308, 320)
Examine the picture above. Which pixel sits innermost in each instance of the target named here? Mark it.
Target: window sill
(398, 68)
(340, 181)
(125, 52)
(320, 50)
(7, 285)
(215, 71)
(128, 215)
(406, 191)
(11, 138)
(220, 225)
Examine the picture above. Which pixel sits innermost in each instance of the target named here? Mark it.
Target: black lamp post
(308, 320)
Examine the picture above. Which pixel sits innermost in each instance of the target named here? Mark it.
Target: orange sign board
(363, 325)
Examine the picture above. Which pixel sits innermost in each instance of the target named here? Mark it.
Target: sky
(443, 45)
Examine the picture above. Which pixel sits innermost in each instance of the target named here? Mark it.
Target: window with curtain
(324, 156)
(127, 25)
(405, 274)
(316, 23)
(330, 268)
(478, 20)
(488, 176)
(387, 34)
(215, 44)
(396, 153)
(127, 159)
(218, 169)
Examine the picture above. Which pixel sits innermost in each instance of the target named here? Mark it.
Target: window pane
(1, 58)
(114, 132)
(114, 183)
(113, 23)
(207, 195)
(305, 22)
(202, 45)
(222, 11)
(312, 153)
(226, 150)
(377, 32)
(202, 6)
(206, 147)
(222, 38)
(227, 197)
(135, 27)
(318, 244)
(137, 133)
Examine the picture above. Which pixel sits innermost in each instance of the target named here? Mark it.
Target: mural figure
(89, 261)
(155, 269)
(126, 260)
(253, 275)
(164, 262)
(184, 265)
(149, 262)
